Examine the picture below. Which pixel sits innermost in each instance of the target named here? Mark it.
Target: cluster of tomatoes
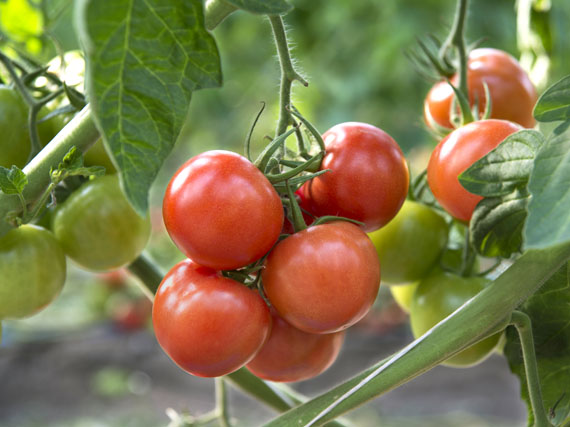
(432, 279)
(317, 281)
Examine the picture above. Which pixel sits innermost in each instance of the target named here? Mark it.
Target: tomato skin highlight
(98, 228)
(512, 93)
(208, 325)
(439, 295)
(457, 152)
(293, 355)
(409, 246)
(221, 211)
(368, 178)
(323, 279)
(33, 268)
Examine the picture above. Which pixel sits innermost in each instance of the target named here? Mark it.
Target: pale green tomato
(439, 295)
(98, 228)
(32, 271)
(410, 245)
(403, 295)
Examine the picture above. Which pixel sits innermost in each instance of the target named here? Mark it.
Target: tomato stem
(523, 324)
(222, 402)
(288, 73)
(148, 273)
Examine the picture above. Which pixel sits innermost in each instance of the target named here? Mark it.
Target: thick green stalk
(148, 273)
(522, 322)
(222, 403)
(80, 132)
(488, 312)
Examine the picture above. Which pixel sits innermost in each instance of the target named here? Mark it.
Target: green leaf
(72, 165)
(548, 220)
(144, 60)
(497, 223)
(550, 315)
(505, 168)
(262, 7)
(12, 181)
(554, 104)
(502, 177)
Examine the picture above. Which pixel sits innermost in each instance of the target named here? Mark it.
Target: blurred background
(90, 359)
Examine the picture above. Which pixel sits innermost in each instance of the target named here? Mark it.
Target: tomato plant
(439, 295)
(33, 271)
(323, 279)
(293, 355)
(512, 93)
(409, 245)
(454, 154)
(209, 325)
(221, 211)
(98, 228)
(368, 178)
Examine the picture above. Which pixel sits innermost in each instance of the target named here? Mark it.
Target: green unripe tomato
(410, 245)
(98, 228)
(15, 141)
(439, 295)
(403, 295)
(32, 270)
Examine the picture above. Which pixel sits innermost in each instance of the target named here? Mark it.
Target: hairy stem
(288, 73)
(524, 328)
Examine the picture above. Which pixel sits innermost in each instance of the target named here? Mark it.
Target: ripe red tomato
(368, 178)
(293, 355)
(221, 211)
(209, 325)
(454, 154)
(323, 279)
(512, 93)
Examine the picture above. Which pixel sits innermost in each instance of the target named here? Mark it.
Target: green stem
(215, 11)
(485, 314)
(148, 273)
(288, 73)
(523, 324)
(80, 132)
(222, 403)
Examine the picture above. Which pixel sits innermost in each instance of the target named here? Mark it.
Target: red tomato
(323, 279)
(293, 355)
(221, 211)
(512, 93)
(209, 325)
(457, 152)
(368, 178)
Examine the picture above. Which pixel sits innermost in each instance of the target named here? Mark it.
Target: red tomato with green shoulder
(457, 152)
(439, 295)
(513, 95)
(368, 178)
(33, 268)
(323, 279)
(293, 355)
(209, 325)
(221, 211)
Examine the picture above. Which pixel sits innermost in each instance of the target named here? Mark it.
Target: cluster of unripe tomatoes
(260, 291)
